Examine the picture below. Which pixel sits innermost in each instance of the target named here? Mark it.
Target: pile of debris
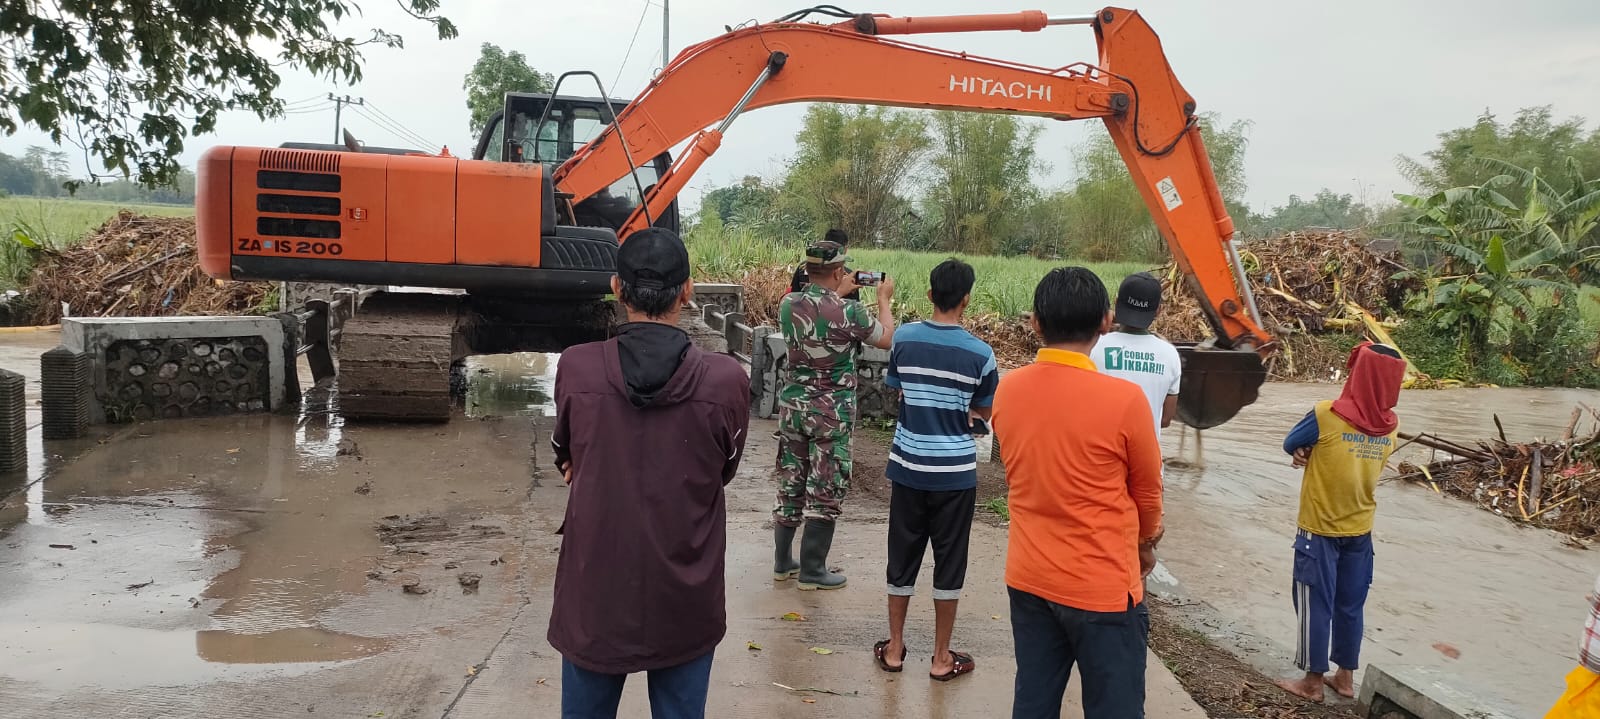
(764, 288)
(1554, 485)
(1305, 283)
(1318, 291)
(137, 266)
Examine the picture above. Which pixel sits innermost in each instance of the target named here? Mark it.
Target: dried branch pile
(1305, 283)
(764, 288)
(135, 266)
(1555, 485)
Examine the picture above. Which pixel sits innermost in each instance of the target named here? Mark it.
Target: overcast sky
(1334, 90)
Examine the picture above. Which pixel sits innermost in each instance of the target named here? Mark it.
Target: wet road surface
(245, 567)
(1509, 598)
(257, 567)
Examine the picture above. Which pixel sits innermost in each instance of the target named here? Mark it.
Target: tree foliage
(1325, 209)
(1533, 139)
(851, 166)
(1103, 216)
(496, 73)
(1500, 273)
(980, 183)
(43, 172)
(130, 81)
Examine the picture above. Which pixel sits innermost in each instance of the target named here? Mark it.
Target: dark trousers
(1108, 647)
(675, 692)
(917, 516)
(1331, 578)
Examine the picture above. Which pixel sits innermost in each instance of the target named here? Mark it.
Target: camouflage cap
(826, 253)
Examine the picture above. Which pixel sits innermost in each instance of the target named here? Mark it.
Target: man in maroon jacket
(648, 431)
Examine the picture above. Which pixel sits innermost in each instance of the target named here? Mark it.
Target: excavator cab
(547, 129)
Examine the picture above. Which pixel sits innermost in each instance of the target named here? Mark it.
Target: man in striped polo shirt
(947, 379)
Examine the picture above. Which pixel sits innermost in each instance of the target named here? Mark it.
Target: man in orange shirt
(1084, 469)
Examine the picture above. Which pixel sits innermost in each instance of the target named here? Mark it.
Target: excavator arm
(1131, 87)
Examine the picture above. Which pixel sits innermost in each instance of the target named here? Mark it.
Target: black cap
(653, 259)
(1137, 300)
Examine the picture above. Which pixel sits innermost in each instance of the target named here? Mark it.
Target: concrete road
(244, 567)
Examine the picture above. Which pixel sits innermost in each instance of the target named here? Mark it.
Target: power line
(386, 129)
(309, 110)
(397, 123)
(396, 126)
(398, 133)
(629, 53)
(303, 101)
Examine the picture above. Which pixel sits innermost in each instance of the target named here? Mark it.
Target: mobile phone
(869, 278)
(980, 426)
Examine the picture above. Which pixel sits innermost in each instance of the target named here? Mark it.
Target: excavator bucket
(1217, 383)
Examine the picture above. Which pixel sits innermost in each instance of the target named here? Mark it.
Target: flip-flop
(882, 648)
(963, 665)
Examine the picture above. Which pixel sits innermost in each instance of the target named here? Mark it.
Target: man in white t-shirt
(1133, 354)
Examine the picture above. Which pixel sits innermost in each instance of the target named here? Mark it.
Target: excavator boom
(1131, 87)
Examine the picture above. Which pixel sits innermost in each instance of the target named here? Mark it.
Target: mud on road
(258, 567)
(272, 566)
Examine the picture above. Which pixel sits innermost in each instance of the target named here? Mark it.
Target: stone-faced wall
(171, 378)
(161, 367)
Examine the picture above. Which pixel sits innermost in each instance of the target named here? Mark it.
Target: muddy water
(187, 552)
(1508, 598)
(519, 384)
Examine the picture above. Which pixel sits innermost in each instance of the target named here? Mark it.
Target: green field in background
(59, 222)
(1004, 284)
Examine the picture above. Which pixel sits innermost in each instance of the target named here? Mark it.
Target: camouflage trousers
(813, 467)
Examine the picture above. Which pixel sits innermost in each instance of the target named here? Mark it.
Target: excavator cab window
(516, 135)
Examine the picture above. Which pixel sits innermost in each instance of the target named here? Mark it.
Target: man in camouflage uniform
(817, 408)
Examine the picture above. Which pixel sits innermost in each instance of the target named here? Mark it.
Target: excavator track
(395, 357)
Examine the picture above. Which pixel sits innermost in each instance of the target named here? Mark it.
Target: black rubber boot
(814, 546)
(783, 565)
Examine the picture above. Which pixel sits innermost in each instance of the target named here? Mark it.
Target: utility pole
(666, 35)
(338, 112)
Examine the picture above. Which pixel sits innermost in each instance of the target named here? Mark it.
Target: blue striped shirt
(941, 371)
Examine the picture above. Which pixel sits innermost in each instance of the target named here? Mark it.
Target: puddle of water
(291, 646)
(70, 655)
(520, 384)
(143, 508)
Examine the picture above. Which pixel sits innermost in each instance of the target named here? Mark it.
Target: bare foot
(1343, 682)
(942, 664)
(1307, 687)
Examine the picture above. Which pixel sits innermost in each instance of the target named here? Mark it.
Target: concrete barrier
(874, 399)
(727, 298)
(66, 393)
(167, 367)
(13, 422)
(1419, 693)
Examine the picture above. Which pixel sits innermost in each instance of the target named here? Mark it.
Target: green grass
(61, 222)
(54, 223)
(1004, 284)
(1000, 506)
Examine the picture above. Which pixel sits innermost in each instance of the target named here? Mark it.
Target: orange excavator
(529, 228)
